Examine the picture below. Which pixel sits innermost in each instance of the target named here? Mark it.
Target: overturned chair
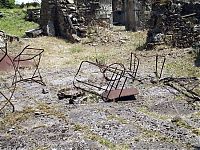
(109, 81)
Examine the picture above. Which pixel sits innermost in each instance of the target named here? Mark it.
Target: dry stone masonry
(69, 19)
(176, 24)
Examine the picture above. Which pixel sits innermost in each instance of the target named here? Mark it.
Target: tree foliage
(7, 3)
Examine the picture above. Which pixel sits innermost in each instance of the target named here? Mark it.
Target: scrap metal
(15, 63)
(13, 85)
(26, 55)
(115, 75)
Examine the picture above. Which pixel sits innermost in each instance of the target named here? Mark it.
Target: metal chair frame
(113, 81)
(13, 85)
(18, 59)
(16, 66)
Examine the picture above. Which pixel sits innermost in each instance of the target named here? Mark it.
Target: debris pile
(171, 26)
(98, 35)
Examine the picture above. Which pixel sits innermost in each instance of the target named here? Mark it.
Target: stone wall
(176, 24)
(69, 19)
(95, 10)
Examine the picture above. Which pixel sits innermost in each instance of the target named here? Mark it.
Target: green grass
(13, 22)
(76, 49)
(183, 67)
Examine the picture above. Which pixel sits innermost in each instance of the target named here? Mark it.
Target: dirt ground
(160, 118)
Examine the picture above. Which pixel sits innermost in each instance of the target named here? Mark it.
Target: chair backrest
(26, 58)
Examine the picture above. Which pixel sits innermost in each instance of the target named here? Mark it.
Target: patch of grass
(196, 131)
(107, 143)
(16, 118)
(183, 68)
(79, 127)
(138, 40)
(196, 114)
(150, 135)
(76, 49)
(181, 123)
(101, 140)
(152, 114)
(95, 137)
(101, 57)
(14, 23)
(51, 110)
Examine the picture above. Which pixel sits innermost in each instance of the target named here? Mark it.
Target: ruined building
(130, 13)
(176, 24)
(70, 18)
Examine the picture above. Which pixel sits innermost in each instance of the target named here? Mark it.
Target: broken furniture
(6, 89)
(28, 57)
(110, 80)
(159, 74)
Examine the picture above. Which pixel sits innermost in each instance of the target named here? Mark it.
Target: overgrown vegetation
(7, 3)
(13, 22)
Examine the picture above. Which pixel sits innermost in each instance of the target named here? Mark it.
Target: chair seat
(115, 94)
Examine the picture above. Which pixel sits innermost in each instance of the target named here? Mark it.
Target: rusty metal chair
(115, 76)
(7, 91)
(28, 57)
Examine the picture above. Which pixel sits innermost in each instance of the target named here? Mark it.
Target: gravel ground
(159, 118)
(41, 121)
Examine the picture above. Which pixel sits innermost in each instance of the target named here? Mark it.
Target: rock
(44, 91)
(11, 129)
(75, 38)
(123, 41)
(69, 93)
(34, 33)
